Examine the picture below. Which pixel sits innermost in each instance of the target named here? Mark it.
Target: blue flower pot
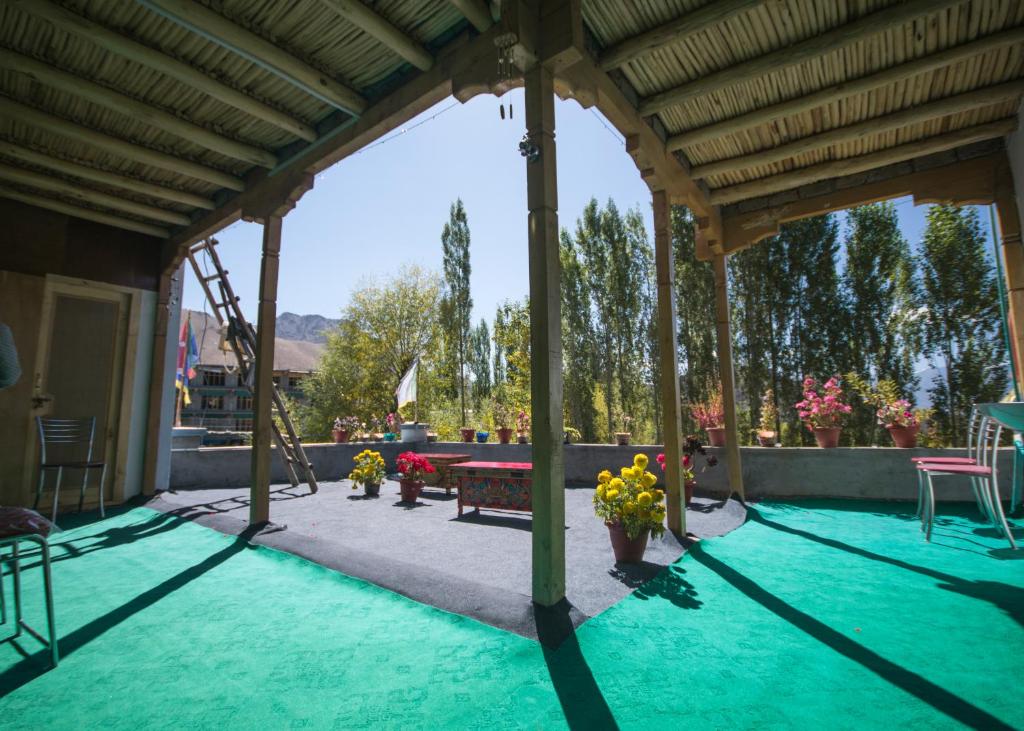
(481, 436)
(389, 437)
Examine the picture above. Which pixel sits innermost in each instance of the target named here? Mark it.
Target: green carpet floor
(825, 614)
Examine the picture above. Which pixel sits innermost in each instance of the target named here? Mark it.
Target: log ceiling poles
(24, 154)
(126, 47)
(355, 12)
(762, 115)
(128, 150)
(79, 212)
(215, 27)
(20, 176)
(123, 104)
(673, 31)
(814, 47)
(476, 11)
(862, 163)
(956, 104)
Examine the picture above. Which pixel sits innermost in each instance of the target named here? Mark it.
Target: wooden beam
(131, 49)
(263, 382)
(959, 182)
(160, 416)
(840, 37)
(545, 343)
(725, 371)
(378, 26)
(956, 104)
(20, 176)
(24, 154)
(477, 12)
(673, 32)
(669, 360)
(129, 150)
(848, 166)
(845, 89)
(86, 213)
(267, 55)
(140, 111)
(1012, 248)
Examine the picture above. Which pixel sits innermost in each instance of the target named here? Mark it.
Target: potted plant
(622, 437)
(710, 416)
(572, 434)
(823, 414)
(412, 467)
(691, 448)
(631, 508)
(482, 437)
(893, 411)
(391, 423)
(769, 415)
(339, 431)
(523, 427)
(368, 472)
(502, 419)
(468, 434)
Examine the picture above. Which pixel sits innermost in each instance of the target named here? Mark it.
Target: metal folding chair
(984, 477)
(971, 458)
(68, 436)
(19, 525)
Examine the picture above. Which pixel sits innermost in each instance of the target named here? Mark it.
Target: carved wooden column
(545, 342)
(160, 418)
(725, 369)
(667, 349)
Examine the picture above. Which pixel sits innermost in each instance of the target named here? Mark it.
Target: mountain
(308, 328)
(289, 354)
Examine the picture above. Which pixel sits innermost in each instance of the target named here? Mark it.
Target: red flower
(413, 466)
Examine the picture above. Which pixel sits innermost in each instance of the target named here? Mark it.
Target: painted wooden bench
(442, 462)
(494, 485)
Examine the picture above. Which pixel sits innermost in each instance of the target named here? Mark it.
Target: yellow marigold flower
(659, 495)
(626, 472)
(640, 461)
(616, 483)
(645, 498)
(610, 495)
(638, 473)
(601, 490)
(629, 507)
(648, 480)
(604, 476)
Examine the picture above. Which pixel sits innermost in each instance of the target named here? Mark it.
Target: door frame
(126, 342)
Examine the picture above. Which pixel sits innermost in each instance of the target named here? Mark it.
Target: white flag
(406, 392)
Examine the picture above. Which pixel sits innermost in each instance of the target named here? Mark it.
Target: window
(295, 382)
(243, 425)
(277, 380)
(244, 403)
(213, 378)
(212, 403)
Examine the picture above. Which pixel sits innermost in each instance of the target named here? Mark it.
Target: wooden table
(442, 462)
(494, 485)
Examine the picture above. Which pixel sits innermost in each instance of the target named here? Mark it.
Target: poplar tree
(480, 363)
(457, 304)
(577, 342)
(961, 324)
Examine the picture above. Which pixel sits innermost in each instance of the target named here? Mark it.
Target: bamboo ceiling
(154, 110)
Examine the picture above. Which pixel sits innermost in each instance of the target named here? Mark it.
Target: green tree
(961, 324)
(577, 342)
(480, 363)
(457, 304)
(512, 340)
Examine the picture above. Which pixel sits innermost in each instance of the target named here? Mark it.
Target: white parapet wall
(867, 473)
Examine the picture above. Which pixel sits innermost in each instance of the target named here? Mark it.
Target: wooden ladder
(242, 338)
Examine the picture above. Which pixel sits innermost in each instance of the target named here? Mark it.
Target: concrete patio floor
(478, 565)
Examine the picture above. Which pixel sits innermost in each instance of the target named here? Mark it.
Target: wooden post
(1013, 269)
(162, 392)
(545, 343)
(732, 443)
(667, 344)
(266, 327)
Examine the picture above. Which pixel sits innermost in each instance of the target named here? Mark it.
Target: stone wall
(860, 472)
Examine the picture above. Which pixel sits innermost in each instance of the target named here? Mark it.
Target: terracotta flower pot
(468, 435)
(766, 438)
(622, 438)
(904, 437)
(371, 488)
(626, 549)
(523, 439)
(688, 490)
(410, 490)
(827, 437)
(504, 435)
(716, 436)
(340, 435)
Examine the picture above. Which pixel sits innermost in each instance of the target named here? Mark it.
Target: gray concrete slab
(478, 565)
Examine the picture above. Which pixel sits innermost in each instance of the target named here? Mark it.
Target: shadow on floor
(1007, 597)
(499, 520)
(910, 682)
(33, 666)
(578, 693)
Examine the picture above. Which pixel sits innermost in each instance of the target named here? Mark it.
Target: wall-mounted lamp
(529, 150)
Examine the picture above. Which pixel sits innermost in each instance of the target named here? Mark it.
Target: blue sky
(386, 206)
